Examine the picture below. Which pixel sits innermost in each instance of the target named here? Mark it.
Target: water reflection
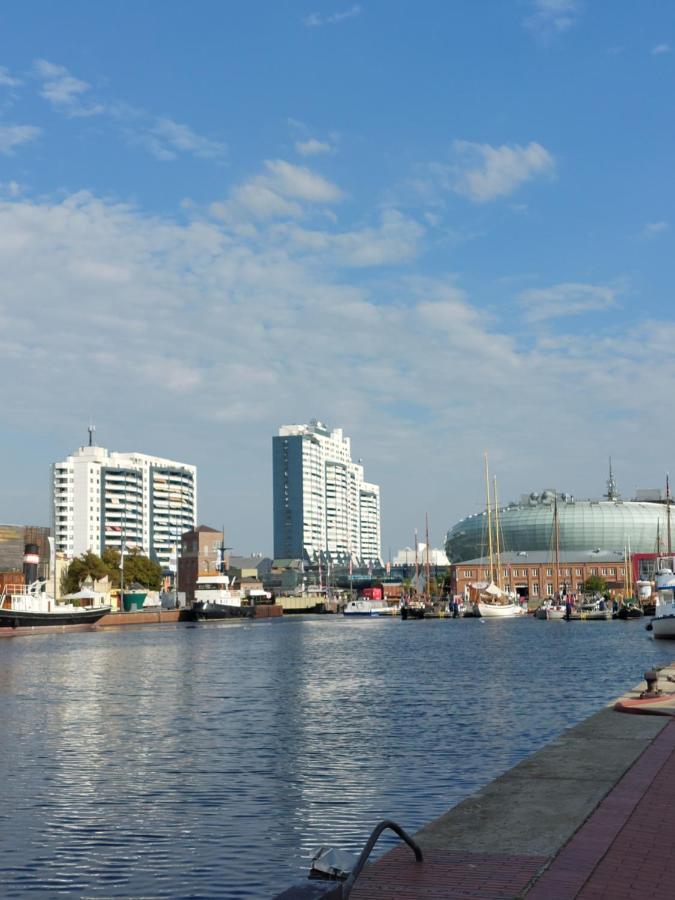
(212, 761)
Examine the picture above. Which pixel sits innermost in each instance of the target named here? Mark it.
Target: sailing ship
(488, 599)
(554, 607)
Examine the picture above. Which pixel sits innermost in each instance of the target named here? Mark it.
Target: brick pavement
(624, 851)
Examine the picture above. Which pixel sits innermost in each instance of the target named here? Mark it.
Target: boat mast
(426, 561)
(417, 564)
(498, 558)
(556, 534)
(670, 549)
(489, 521)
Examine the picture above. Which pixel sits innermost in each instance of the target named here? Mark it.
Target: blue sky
(444, 227)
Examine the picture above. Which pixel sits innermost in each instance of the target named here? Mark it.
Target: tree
(594, 584)
(137, 568)
(89, 565)
(143, 571)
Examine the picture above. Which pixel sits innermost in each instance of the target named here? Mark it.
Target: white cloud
(166, 139)
(651, 229)
(660, 49)
(551, 17)
(501, 170)
(225, 333)
(312, 147)
(7, 80)
(12, 136)
(300, 182)
(567, 299)
(317, 20)
(63, 91)
(282, 190)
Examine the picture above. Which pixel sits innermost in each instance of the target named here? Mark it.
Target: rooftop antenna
(92, 431)
(612, 491)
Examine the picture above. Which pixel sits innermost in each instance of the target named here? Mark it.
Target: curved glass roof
(583, 525)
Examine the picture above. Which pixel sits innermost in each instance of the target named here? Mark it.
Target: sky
(446, 228)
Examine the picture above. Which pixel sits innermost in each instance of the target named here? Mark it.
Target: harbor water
(213, 760)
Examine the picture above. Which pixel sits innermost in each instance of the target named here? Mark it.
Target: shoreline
(541, 828)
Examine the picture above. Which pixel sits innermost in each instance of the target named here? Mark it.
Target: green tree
(594, 584)
(140, 569)
(89, 565)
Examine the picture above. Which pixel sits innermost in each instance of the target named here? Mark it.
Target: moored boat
(31, 607)
(215, 599)
(663, 623)
(364, 607)
(551, 609)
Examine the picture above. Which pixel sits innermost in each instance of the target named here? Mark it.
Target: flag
(350, 565)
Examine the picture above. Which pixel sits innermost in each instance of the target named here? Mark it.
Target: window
(594, 571)
(549, 590)
(467, 573)
(549, 572)
(577, 571)
(603, 571)
(535, 590)
(533, 573)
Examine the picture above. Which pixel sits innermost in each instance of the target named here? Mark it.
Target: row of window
(534, 573)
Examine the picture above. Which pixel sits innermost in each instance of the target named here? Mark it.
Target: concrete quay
(591, 815)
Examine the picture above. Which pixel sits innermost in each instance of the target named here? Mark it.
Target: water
(212, 761)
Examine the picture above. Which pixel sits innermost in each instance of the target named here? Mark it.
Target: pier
(591, 815)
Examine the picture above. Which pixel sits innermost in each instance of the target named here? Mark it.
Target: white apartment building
(106, 499)
(321, 501)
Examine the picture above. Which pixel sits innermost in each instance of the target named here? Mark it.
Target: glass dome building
(583, 525)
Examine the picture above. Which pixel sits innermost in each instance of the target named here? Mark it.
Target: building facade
(106, 499)
(200, 554)
(13, 540)
(322, 504)
(534, 575)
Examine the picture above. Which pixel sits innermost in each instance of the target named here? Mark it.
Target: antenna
(92, 431)
(612, 491)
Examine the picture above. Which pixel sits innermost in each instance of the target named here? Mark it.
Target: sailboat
(488, 600)
(554, 607)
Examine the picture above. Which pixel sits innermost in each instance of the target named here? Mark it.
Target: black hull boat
(412, 612)
(12, 618)
(205, 611)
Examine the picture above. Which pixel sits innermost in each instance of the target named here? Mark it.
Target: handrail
(370, 843)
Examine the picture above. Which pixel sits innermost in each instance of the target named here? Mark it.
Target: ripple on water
(212, 762)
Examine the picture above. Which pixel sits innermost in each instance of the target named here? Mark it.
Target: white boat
(663, 623)
(486, 598)
(215, 598)
(490, 602)
(365, 607)
(551, 609)
(31, 607)
(497, 610)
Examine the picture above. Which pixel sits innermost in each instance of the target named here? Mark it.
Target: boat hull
(498, 610)
(10, 618)
(412, 612)
(204, 612)
(550, 612)
(664, 627)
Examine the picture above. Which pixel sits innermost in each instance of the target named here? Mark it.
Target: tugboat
(215, 599)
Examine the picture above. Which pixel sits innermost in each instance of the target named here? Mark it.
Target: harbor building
(322, 504)
(610, 524)
(533, 575)
(200, 554)
(109, 499)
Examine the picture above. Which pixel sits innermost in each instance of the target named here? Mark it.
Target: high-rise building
(104, 499)
(321, 502)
